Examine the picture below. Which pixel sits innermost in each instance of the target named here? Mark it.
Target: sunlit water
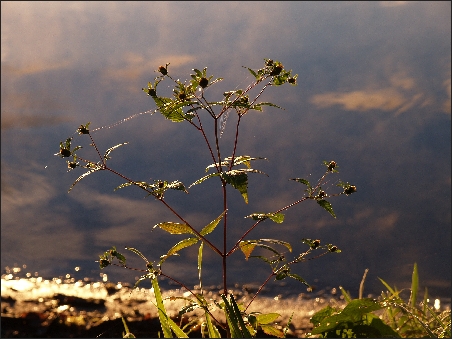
(86, 302)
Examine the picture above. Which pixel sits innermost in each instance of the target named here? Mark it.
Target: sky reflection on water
(373, 94)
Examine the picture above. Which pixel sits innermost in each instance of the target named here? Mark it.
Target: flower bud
(315, 244)
(331, 165)
(350, 189)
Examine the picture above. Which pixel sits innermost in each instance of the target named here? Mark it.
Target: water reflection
(373, 94)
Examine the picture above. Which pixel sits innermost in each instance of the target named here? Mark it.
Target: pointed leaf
(178, 186)
(259, 105)
(247, 247)
(303, 181)
(204, 178)
(175, 228)
(211, 226)
(276, 217)
(327, 206)
(200, 263)
(267, 318)
(272, 331)
(414, 286)
(182, 244)
(163, 316)
(81, 177)
(297, 277)
(137, 252)
(279, 242)
(238, 180)
(108, 151)
(253, 73)
(211, 329)
(123, 185)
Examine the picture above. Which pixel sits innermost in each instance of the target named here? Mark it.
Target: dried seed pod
(350, 189)
(163, 70)
(203, 82)
(277, 69)
(152, 92)
(65, 153)
(182, 96)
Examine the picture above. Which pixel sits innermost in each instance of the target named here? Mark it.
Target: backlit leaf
(182, 244)
(272, 331)
(327, 206)
(211, 226)
(204, 178)
(247, 247)
(267, 318)
(276, 217)
(175, 228)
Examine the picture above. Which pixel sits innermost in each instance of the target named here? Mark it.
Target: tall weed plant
(188, 103)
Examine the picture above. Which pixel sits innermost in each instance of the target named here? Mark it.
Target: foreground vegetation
(188, 104)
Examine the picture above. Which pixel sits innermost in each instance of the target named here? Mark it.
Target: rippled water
(88, 303)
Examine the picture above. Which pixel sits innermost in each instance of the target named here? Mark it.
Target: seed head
(331, 165)
(203, 82)
(163, 70)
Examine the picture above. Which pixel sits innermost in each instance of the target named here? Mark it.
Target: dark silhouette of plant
(188, 104)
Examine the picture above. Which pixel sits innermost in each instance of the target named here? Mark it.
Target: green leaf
(108, 151)
(267, 318)
(276, 217)
(247, 247)
(279, 242)
(273, 331)
(81, 177)
(198, 72)
(282, 275)
(325, 312)
(211, 329)
(211, 226)
(327, 206)
(234, 318)
(231, 319)
(175, 228)
(204, 178)
(239, 180)
(177, 185)
(200, 263)
(163, 316)
(173, 109)
(137, 252)
(182, 244)
(414, 286)
(259, 106)
(166, 322)
(297, 277)
(388, 287)
(253, 73)
(353, 312)
(303, 181)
